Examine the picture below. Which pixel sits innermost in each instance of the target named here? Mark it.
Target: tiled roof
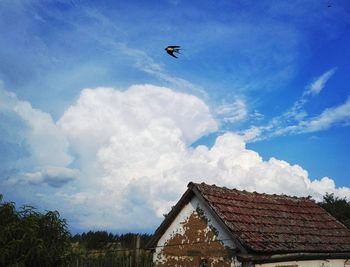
(276, 223)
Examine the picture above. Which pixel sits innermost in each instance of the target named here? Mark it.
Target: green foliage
(30, 238)
(339, 208)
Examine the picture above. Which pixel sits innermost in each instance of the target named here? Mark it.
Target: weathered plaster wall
(193, 236)
(313, 263)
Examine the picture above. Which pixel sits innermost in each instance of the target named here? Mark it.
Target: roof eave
(213, 213)
(186, 197)
(292, 257)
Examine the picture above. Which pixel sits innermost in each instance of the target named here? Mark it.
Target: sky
(98, 122)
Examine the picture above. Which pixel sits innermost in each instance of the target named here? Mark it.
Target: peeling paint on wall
(194, 240)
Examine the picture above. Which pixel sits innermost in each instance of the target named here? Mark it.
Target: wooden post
(137, 252)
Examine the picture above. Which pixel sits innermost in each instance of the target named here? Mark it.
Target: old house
(214, 226)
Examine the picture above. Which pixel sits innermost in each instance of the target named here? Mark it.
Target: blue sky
(98, 122)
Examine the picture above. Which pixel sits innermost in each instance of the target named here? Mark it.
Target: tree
(31, 238)
(339, 208)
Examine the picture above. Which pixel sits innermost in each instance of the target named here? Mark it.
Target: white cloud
(327, 185)
(45, 141)
(232, 112)
(53, 176)
(136, 109)
(296, 120)
(140, 159)
(296, 112)
(330, 117)
(318, 84)
(251, 134)
(256, 115)
(134, 153)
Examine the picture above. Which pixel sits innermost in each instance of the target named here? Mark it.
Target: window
(203, 263)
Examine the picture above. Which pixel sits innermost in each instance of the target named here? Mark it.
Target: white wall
(176, 227)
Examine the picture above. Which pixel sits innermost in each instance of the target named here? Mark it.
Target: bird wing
(174, 46)
(171, 53)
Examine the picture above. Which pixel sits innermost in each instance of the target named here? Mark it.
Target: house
(217, 226)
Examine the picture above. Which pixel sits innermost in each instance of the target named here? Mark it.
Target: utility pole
(137, 251)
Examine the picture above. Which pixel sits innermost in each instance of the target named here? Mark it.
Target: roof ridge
(254, 192)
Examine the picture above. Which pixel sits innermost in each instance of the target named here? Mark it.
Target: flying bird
(171, 49)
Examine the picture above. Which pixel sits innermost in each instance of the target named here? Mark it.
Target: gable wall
(194, 235)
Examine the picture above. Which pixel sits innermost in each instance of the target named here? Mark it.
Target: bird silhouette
(171, 49)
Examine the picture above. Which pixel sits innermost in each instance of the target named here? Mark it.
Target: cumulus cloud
(44, 155)
(46, 142)
(134, 154)
(105, 111)
(136, 143)
(53, 176)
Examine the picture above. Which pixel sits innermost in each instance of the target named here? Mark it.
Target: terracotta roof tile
(276, 223)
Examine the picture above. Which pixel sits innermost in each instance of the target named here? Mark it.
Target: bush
(31, 238)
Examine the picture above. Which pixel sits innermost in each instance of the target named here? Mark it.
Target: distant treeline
(103, 240)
